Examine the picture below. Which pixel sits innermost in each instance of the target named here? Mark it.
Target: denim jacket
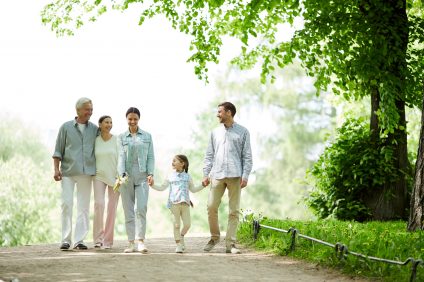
(140, 147)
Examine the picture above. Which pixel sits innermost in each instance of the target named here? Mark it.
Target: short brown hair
(229, 107)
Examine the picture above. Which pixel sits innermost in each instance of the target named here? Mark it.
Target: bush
(28, 200)
(28, 195)
(350, 166)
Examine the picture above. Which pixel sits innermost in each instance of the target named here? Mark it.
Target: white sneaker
(130, 249)
(232, 249)
(141, 247)
(179, 249)
(182, 243)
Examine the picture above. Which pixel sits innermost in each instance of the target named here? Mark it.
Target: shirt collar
(139, 131)
(75, 122)
(230, 127)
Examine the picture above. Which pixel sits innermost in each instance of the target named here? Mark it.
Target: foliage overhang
(352, 47)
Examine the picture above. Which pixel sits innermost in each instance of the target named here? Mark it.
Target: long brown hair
(183, 159)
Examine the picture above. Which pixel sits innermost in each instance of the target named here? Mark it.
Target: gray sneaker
(210, 245)
(232, 249)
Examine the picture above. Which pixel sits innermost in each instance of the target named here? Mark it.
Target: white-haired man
(75, 165)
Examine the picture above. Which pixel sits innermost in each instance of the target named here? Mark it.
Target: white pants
(84, 184)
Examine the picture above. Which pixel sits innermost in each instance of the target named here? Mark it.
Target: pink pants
(104, 233)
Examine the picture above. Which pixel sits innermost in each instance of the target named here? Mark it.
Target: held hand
(150, 180)
(57, 175)
(243, 183)
(205, 181)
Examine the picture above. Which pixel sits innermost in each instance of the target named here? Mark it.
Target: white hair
(82, 101)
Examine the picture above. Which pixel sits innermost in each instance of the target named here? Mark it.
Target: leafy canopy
(351, 46)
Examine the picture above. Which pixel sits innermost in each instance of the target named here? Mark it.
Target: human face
(132, 120)
(84, 113)
(106, 125)
(223, 115)
(177, 164)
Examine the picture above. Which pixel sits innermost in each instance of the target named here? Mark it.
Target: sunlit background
(119, 64)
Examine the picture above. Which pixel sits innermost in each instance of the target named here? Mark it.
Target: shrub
(350, 166)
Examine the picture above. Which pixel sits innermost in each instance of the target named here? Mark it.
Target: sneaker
(141, 247)
(80, 246)
(232, 249)
(130, 249)
(65, 246)
(179, 249)
(182, 242)
(210, 245)
(98, 245)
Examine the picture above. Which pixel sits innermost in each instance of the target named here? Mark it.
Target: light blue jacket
(140, 147)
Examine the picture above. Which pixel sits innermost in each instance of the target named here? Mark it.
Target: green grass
(387, 240)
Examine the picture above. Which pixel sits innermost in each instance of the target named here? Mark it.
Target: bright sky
(114, 62)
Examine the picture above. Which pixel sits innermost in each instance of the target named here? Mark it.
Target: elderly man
(75, 165)
(228, 162)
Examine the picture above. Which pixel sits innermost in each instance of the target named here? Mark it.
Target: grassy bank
(387, 240)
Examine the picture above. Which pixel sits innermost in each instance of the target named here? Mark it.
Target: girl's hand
(205, 181)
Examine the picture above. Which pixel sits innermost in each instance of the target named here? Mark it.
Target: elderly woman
(106, 152)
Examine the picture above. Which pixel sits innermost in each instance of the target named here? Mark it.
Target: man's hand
(205, 181)
(57, 175)
(243, 183)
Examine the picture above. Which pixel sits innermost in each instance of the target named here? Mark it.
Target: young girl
(179, 183)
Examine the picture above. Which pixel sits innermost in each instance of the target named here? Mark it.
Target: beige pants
(180, 212)
(216, 192)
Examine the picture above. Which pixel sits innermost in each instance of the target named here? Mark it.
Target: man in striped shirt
(228, 162)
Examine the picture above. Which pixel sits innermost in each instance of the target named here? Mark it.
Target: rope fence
(341, 250)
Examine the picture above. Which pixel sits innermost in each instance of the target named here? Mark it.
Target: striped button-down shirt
(229, 153)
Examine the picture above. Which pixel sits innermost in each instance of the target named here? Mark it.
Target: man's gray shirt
(228, 153)
(75, 149)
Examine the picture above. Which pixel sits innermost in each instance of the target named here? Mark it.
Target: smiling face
(223, 115)
(132, 120)
(177, 164)
(84, 112)
(106, 125)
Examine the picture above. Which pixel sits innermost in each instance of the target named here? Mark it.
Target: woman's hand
(150, 180)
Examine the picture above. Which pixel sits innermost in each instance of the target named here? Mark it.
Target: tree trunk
(375, 105)
(391, 200)
(415, 221)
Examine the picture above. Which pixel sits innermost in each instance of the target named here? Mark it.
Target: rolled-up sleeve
(150, 158)
(122, 155)
(209, 156)
(246, 156)
(60, 143)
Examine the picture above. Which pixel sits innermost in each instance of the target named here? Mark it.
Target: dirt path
(48, 263)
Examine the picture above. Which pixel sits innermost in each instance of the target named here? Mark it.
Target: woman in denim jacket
(136, 160)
